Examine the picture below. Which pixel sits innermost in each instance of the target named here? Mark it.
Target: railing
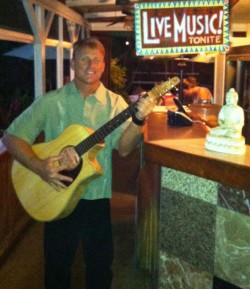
(13, 218)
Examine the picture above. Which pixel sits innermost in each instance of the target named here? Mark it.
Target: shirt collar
(99, 94)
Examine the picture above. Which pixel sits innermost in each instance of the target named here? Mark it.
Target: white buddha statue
(227, 136)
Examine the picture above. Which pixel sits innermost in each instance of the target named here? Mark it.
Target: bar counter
(182, 148)
(193, 210)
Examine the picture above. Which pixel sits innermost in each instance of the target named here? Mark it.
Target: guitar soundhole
(72, 173)
(69, 158)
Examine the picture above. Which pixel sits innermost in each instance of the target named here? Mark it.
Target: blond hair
(92, 43)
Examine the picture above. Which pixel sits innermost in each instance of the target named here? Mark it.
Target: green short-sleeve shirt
(56, 110)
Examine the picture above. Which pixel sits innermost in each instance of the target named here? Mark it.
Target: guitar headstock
(160, 89)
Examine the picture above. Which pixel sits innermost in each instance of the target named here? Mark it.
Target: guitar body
(39, 199)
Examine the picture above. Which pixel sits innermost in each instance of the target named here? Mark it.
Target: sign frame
(159, 7)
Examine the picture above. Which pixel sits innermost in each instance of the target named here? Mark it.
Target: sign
(181, 27)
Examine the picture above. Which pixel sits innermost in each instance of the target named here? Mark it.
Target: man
(198, 93)
(87, 102)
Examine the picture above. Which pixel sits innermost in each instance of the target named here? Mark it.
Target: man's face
(88, 65)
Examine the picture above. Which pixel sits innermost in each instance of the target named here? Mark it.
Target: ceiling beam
(102, 8)
(10, 35)
(107, 19)
(61, 10)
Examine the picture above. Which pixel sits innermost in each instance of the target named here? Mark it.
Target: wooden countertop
(183, 149)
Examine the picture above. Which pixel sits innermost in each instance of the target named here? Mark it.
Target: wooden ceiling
(112, 14)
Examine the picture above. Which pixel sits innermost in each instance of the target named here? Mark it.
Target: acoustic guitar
(78, 147)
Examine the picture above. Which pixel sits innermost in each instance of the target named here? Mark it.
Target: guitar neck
(105, 130)
(99, 135)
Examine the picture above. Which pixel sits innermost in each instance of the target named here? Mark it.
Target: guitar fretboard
(105, 130)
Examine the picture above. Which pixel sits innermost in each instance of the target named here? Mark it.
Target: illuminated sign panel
(181, 27)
